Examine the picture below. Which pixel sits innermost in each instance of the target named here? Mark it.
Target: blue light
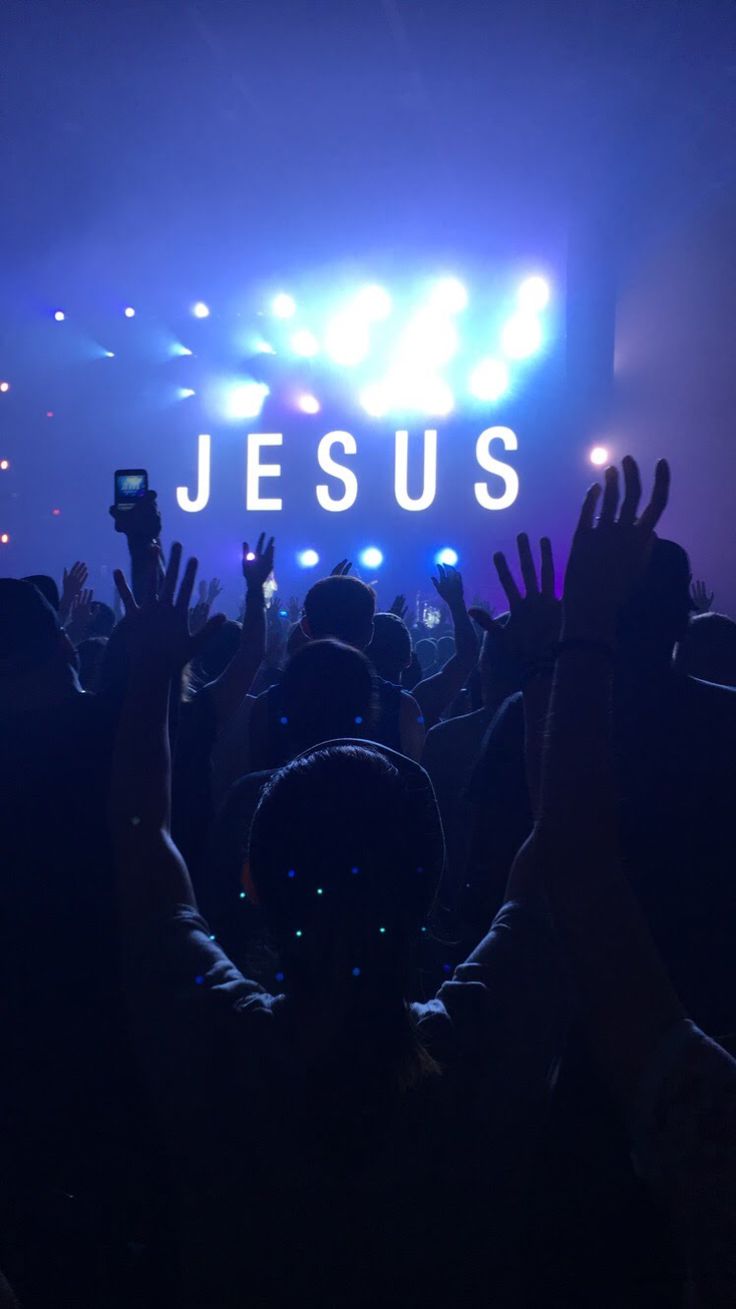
(283, 305)
(522, 335)
(447, 556)
(435, 397)
(490, 379)
(180, 350)
(534, 294)
(376, 399)
(246, 400)
(307, 559)
(304, 343)
(309, 404)
(356, 972)
(185, 392)
(449, 295)
(374, 302)
(347, 340)
(59, 315)
(430, 339)
(201, 310)
(371, 557)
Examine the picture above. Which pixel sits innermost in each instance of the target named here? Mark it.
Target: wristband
(586, 646)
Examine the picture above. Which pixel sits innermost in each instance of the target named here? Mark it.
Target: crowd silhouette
(349, 962)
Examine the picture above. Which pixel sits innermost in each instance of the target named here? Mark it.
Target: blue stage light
(447, 556)
(534, 294)
(180, 350)
(435, 398)
(430, 339)
(309, 404)
(374, 303)
(376, 399)
(304, 343)
(307, 559)
(449, 296)
(347, 340)
(185, 392)
(129, 311)
(246, 399)
(371, 557)
(490, 379)
(59, 315)
(522, 335)
(283, 305)
(201, 310)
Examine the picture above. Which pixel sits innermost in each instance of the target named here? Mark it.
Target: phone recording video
(131, 484)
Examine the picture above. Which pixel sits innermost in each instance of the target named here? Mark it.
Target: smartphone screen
(130, 485)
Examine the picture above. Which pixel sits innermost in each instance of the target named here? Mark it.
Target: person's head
(708, 649)
(390, 649)
(656, 615)
(342, 607)
(33, 646)
(445, 649)
(327, 691)
(91, 653)
(219, 649)
(101, 619)
(346, 851)
(426, 653)
(48, 588)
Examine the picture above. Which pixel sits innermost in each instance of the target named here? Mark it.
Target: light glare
(374, 302)
(246, 400)
(449, 296)
(283, 305)
(430, 339)
(348, 340)
(201, 310)
(599, 456)
(534, 294)
(522, 335)
(305, 343)
(59, 315)
(129, 311)
(4, 386)
(446, 556)
(490, 379)
(309, 404)
(371, 557)
(376, 399)
(307, 559)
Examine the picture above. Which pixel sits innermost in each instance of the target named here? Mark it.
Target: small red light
(49, 413)
(56, 512)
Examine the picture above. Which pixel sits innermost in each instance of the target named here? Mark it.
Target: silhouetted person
(708, 649)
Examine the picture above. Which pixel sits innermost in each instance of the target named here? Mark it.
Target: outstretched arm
(435, 693)
(153, 875)
(141, 526)
(230, 689)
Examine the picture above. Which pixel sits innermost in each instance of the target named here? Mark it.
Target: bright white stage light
(490, 379)
(307, 559)
(109, 354)
(430, 339)
(446, 556)
(59, 315)
(283, 305)
(180, 350)
(449, 296)
(185, 392)
(305, 343)
(373, 303)
(348, 340)
(371, 557)
(376, 399)
(522, 335)
(246, 400)
(129, 311)
(599, 456)
(201, 310)
(309, 404)
(434, 397)
(534, 294)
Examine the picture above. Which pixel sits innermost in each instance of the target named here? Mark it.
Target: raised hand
(700, 600)
(214, 590)
(198, 615)
(158, 636)
(342, 569)
(294, 609)
(609, 556)
(141, 521)
(400, 607)
(258, 563)
(534, 620)
(80, 613)
(71, 584)
(449, 585)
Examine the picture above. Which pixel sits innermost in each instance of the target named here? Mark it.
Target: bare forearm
(466, 643)
(231, 688)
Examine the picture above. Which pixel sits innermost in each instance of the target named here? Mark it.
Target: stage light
(109, 354)
(599, 456)
(5, 538)
(180, 350)
(307, 559)
(435, 397)
(201, 310)
(374, 303)
(522, 335)
(449, 296)
(283, 305)
(375, 399)
(56, 513)
(261, 347)
(4, 465)
(246, 400)
(533, 295)
(490, 379)
(446, 556)
(309, 404)
(185, 392)
(304, 343)
(129, 311)
(59, 315)
(4, 386)
(430, 339)
(348, 340)
(371, 557)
